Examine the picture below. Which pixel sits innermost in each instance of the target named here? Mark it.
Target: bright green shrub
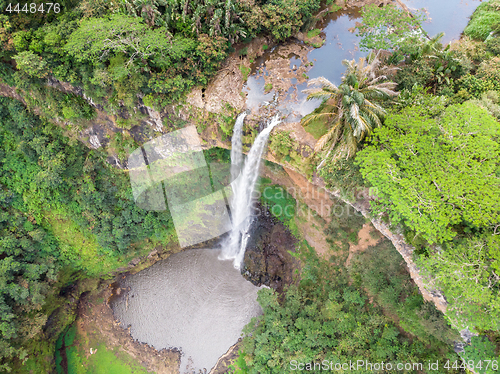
(474, 85)
(481, 24)
(479, 350)
(68, 113)
(490, 101)
(31, 64)
(281, 144)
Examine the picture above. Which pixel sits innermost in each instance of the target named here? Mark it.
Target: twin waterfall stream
(196, 300)
(243, 188)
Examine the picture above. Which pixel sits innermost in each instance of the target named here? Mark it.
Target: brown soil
(365, 240)
(226, 360)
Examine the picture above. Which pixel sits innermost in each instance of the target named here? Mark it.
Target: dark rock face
(267, 260)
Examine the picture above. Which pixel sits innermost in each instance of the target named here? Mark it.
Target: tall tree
(354, 109)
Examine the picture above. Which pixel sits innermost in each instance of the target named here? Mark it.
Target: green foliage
(31, 64)
(388, 27)
(283, 18)
(484, 20)
(474, 85)
(417, 73)
(477, 352)
(435, 174)
(96, 38)
(155, 48)
(324, 318)
(380, 270)
(29, 267)
(49, 173)
(466, 272)
(343, 175)
(487, 78)
(281, 144)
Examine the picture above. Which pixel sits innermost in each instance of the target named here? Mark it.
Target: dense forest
(415, 122)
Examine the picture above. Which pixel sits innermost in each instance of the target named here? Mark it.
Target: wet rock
(267, 260)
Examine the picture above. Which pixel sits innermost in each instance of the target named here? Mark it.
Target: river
(448, 16)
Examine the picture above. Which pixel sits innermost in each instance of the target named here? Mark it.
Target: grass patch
(107, 361)
(313, 33)
(264, 47)
(268, 87)
(103, 361)
(317, 128)
(245, 72)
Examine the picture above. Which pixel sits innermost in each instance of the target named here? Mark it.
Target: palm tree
(354, 112)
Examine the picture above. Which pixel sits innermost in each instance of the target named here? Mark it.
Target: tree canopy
(435, 174)
(469, 274)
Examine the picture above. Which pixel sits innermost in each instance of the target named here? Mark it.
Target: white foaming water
(243, 188)
(236, 146)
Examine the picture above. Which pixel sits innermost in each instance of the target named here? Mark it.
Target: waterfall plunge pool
(191, 301)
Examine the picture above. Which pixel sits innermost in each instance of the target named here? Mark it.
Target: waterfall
(236, 146)
(243, 189)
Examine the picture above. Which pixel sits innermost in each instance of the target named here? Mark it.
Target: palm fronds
(355, 112)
